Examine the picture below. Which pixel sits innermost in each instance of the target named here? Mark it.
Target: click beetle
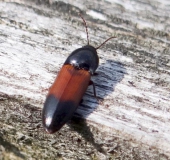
(70, 85)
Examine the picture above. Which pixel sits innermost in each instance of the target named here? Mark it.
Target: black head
(84, 58)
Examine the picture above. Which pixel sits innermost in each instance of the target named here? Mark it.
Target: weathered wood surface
(131, 119)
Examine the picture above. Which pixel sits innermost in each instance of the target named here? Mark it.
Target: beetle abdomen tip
(56, 113)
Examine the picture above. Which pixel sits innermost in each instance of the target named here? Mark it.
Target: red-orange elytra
(70, 85)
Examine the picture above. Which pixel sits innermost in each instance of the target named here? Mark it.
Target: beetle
(70, 85)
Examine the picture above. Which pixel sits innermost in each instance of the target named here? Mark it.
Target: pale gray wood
(130, 119)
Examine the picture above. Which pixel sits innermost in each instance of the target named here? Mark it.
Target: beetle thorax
(85, 58)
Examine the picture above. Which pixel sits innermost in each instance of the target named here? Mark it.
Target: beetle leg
(94, 90)
(81, 101)
(95, 74)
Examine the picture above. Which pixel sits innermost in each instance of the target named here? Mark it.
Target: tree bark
(129, 119)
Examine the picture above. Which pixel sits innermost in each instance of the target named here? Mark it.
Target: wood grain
(130, 119)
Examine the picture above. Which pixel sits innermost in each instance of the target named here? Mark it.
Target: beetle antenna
(104, 42)
(86, 28)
